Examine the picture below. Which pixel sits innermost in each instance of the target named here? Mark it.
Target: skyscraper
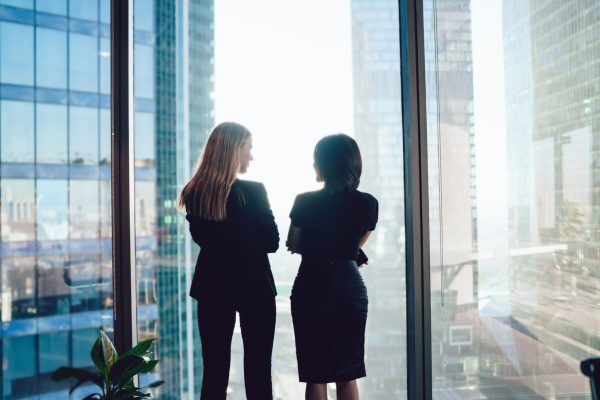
(551, 59)
(55, 184)
(378, 132)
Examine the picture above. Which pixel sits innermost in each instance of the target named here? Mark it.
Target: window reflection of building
(55, 212)
(378, 131)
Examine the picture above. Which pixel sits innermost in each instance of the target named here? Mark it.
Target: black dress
(329, 298)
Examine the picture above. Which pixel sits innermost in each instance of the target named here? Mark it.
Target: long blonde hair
(206, 194)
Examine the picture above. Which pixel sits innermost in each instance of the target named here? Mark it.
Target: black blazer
(233, 262)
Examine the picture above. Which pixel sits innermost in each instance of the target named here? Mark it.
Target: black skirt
(329, 312)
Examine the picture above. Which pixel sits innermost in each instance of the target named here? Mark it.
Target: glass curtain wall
(55, 191)
(196, 64)
(513, 135)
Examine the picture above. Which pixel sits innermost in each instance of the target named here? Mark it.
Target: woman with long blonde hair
(231, 220)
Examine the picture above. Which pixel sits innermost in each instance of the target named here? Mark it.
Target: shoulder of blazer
(251, 189)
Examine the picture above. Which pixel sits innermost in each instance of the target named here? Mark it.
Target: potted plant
(115, 372)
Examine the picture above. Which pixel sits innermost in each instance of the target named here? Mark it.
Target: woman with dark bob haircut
(329, 297)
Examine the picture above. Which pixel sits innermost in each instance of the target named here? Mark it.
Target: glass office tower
(55, 190)
(55, 184)
(173, 85)
(512, 115)
(378, 132)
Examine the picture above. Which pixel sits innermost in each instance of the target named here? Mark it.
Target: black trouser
(216, 320)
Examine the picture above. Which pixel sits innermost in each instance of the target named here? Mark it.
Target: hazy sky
(283, 68)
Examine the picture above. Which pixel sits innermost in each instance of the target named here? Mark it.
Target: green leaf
(147, 367)
(141, 349)
(98, 358)
(122, 371)
(108, 351)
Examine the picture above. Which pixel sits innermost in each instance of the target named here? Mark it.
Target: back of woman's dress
(329, 298)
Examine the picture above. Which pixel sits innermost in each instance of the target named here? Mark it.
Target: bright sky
(283, 68)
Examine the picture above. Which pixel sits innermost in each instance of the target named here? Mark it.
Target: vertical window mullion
(122, 174)
(416, 200)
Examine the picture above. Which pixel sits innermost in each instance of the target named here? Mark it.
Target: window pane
(51, 58)
(105, 134)
(51, 138)
(512, 126)
(16, 64)
(144, 15)
(144, 132)
(105, 11)
(16, 130)
(52, 6)
(83, 62)
(353, 88)
(18, 208)
(144, 71)
(104, 66)
(83, 135)
(53, 351)
(55, 200)
(18, 3)
(52, 209)
(84, 9)
(84, 209)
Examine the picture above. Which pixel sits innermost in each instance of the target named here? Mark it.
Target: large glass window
(51, 133)
(55, 201)
(512, 125)
(83, 62)
(51, 58)
(16, 131)
(259, 69)
(16, 44)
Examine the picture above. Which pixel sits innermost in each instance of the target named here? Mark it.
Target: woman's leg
(216, 322)
(316, 391)
(347, 390)
(257, 321)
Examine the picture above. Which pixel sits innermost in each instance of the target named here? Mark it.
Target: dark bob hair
(338, 161)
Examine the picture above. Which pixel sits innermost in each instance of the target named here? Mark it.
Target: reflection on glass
(84, 9)
(51, 58)
(18, 3)
(145, 152)
(144, 71)
(16, 63)
(83, 135)
(52, 209)
(52, 6)
(104, 66)
(53, 351)
(16, 131)
(511, 132)
(83, 209)
(55, 213)
(51, 133)
(83, 62)
(18, 208)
